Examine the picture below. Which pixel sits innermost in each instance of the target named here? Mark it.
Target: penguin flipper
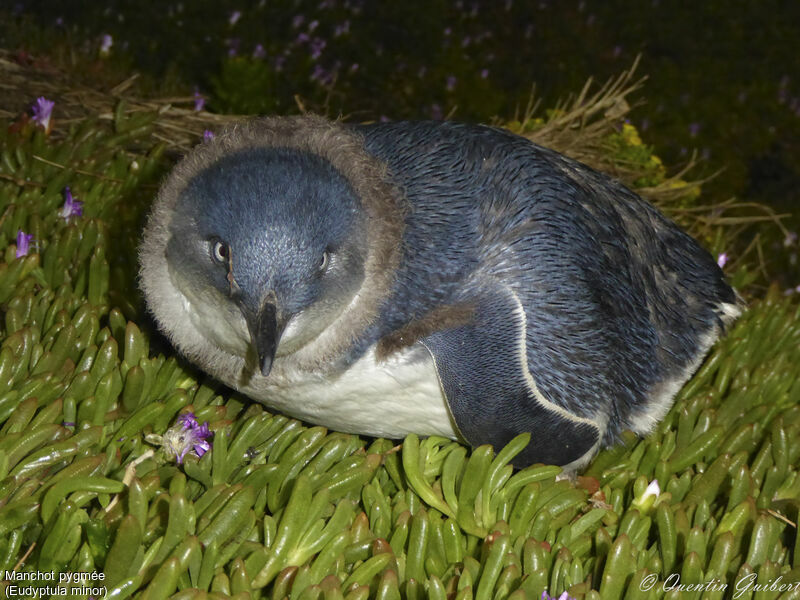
(483, 370)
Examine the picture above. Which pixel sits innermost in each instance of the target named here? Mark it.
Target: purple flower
(342, 28)
(233, 46)
(42, 111)
(297, 21)
(317, 46)
(484, 73)
(321, 75)
(201, 434)
(23, 243)
(259, 52)
(72, 207)
(186, 435)
(790, 239)
(187, 421)
(105, 44)
(563, 596)
(235, 16)
(694, 129)
(199, 101)
(208, 135)
(722, 259)
(451, 83)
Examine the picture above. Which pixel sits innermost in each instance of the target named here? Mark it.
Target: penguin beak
(265, 331)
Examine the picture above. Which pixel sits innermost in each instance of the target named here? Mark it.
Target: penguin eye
(324, 261)
(219, 251)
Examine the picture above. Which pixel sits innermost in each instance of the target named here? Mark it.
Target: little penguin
(436, 278)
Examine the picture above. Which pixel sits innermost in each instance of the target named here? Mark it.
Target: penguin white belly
(392, 398)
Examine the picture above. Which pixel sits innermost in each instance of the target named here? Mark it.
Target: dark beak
(266, 332)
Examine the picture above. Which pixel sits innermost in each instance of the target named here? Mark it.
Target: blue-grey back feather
(617, 297)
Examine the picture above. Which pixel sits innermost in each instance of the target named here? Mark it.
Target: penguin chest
(391, 398)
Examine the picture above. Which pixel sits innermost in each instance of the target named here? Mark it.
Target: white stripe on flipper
(522, 351)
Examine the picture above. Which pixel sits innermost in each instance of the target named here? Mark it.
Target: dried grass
(178, 125)
(580, 126)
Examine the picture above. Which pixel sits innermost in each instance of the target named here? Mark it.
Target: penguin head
(267, 246)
